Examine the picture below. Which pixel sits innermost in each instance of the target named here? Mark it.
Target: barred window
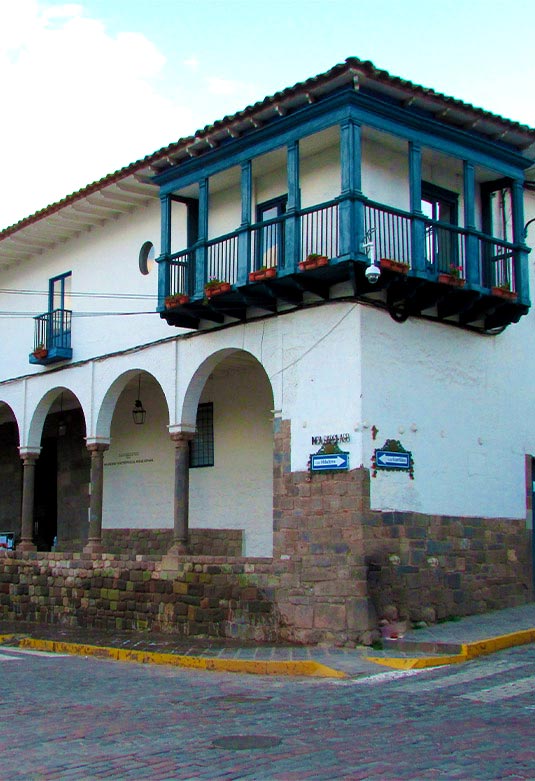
(202, 446)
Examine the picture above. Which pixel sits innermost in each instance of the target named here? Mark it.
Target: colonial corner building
(274, 380)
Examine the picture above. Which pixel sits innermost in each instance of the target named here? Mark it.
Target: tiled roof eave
(353, 70)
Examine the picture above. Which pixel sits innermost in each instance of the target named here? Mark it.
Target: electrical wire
(44, 293)
(33, 315)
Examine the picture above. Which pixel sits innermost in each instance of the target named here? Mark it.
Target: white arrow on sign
(386, 458)
(330, 461)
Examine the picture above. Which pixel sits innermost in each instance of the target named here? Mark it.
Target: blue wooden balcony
(429, 269)
(52, 340)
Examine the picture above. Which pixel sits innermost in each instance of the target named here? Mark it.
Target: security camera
(372, 274)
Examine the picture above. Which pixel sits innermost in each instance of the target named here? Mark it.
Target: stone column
(94, 542)
(29, 457)
(181, 501)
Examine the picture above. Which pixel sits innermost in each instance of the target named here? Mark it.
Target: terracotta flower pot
(40, 353)
(216, 290)
(312, 262)
(450, 279)
(263, 273)
(503, 292)
(394, 265)
(172, 301)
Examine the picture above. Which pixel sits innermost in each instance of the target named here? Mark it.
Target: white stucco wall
(385, 173)
(237, 492)
(139, 465)
(460, 402)
(103, 261)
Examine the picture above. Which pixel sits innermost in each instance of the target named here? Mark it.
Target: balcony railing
(497, 264)
(267, 245)
(428, 247)
(445, 248)
(52, 337)
(222, 258)
(181, 265)
(320, 231)
(391, 231)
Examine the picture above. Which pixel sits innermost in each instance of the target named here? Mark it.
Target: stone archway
(61, 472)
(231, 484)
(137, 505)
(10, 476)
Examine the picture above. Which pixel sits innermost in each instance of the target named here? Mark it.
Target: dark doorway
(46, 495)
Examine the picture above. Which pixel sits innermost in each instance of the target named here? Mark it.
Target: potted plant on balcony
(177, 299)
(503, 290)
(40, 351)
(453, 276)
(262, 273)
(312, 261)
(215, 286)
(394, 265)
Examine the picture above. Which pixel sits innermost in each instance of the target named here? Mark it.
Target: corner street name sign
(319, 463)
(388, 459)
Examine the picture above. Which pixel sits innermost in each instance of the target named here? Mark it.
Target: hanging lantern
(139, 413)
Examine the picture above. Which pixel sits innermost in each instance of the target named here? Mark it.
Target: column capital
(181, 436)
(182, 428)
(97, 443)
(29, 454)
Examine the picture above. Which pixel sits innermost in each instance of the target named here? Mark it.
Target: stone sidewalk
(442, 643)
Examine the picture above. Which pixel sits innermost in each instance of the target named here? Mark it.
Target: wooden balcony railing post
(350, 209)
(245, 262)
(521, 267)
(471, 243)
(292, 233)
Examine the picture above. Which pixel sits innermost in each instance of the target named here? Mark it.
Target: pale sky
(89, 87)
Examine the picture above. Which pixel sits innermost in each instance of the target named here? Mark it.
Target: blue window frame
(270, 240)
(440, 206)
(59, 300)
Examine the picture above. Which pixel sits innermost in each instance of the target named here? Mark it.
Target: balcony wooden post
(29, 458)
(164, 271)
(245, 261)
(418, 254)
(521, 268)
(94, 542)
(200, 252)
(350, 210)
(471, 242)
(292, 235)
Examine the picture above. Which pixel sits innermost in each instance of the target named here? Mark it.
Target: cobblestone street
(81, 718)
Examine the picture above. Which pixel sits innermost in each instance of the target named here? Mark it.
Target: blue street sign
(388, 459)
(321, 463)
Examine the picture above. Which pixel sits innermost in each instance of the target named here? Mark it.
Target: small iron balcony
(52, 340)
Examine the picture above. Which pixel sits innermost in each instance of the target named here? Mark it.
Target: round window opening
(146, 257)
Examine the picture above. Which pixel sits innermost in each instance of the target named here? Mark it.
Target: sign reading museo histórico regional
(320, 462)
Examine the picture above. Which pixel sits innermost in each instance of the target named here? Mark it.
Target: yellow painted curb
(499, 643)
(468, 651)
(309, 668)
(417, 662)
(7, 638)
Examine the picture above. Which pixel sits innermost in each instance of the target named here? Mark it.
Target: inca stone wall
(208, 597)
(433, 567)
(338, 568)
(156, 542)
